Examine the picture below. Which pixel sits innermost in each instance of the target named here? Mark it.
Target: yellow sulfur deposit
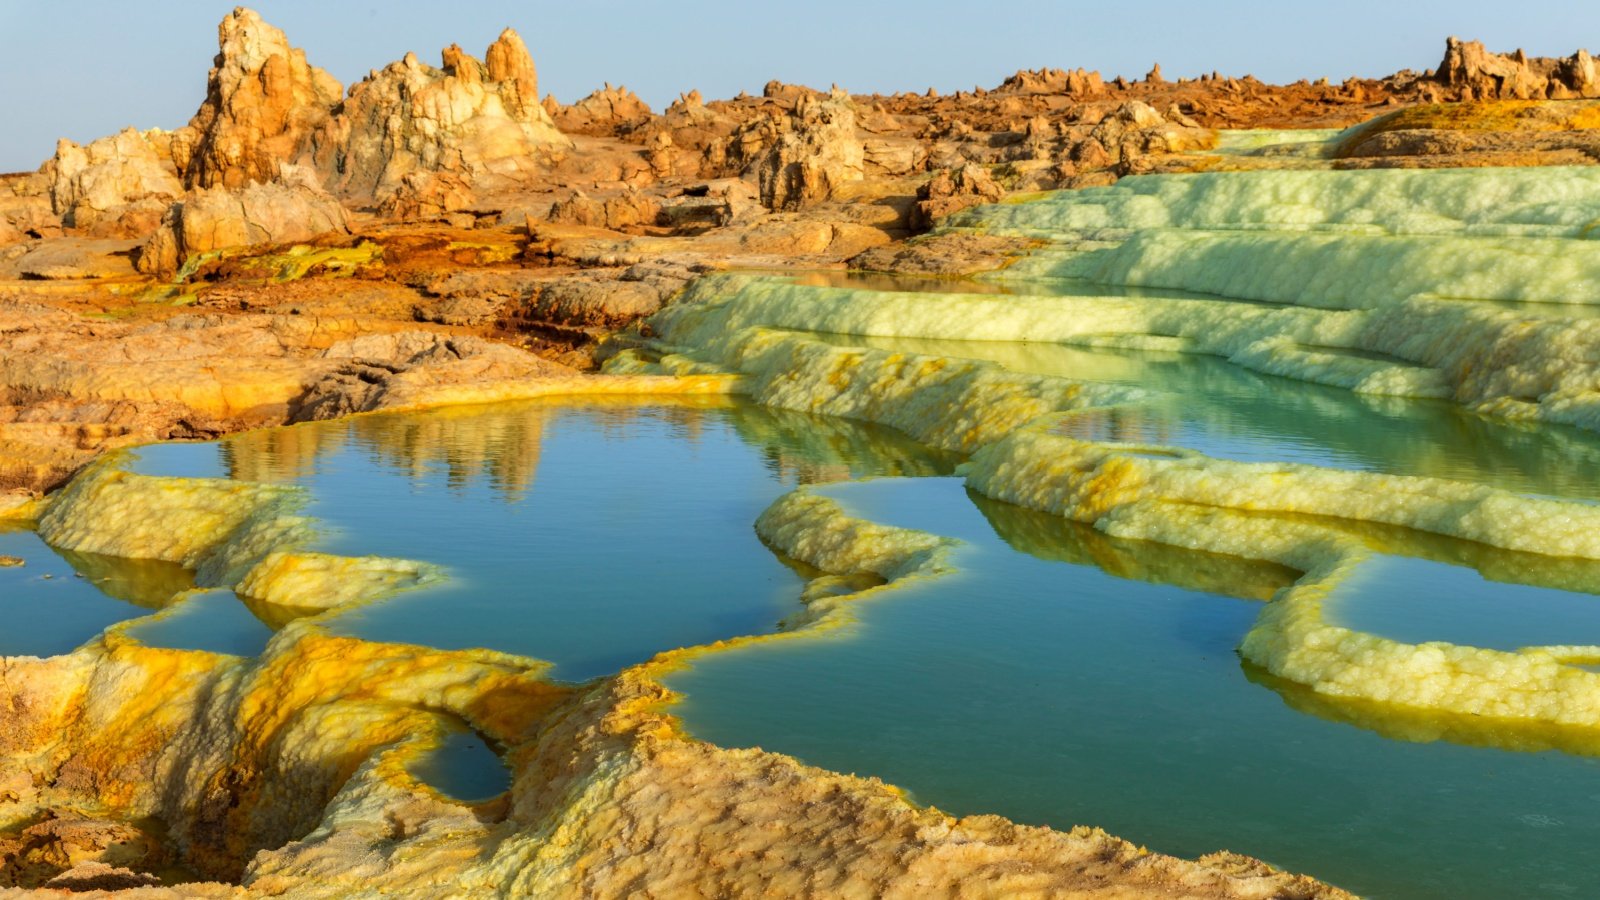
(185, 520)
(1345, 271)
(1296, 516)
(324, 581)
(1093, 482)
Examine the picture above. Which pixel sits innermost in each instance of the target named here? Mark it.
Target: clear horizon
(144, 65)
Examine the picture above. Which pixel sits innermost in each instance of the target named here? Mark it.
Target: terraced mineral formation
(306, 752)
(1436, 302)
(439, 236)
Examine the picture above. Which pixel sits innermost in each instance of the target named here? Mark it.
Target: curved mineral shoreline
(364, 255)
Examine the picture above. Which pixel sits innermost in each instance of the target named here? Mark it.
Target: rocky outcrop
(695, 127)
(1077, 82)
(1135, 130)
(68, 258)
(607, 112)
(263, 100)
(483, 123)
(426, 196)
(412, 368)
(113, 187)
(25, 208)
(508, 64)
(292, 208)
(951, 190)
(816, 152)
(1475, 73)
(630, 210)
(266, 106)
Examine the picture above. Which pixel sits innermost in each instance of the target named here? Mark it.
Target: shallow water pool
(591, 536)
(1037, 684)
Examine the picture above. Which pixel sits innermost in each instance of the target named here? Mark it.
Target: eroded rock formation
(816, 152)
(263, 100)
(1472, 72)
(292, 207)
(951, 190)
(483, 123)
(115, 186)
(609, 111)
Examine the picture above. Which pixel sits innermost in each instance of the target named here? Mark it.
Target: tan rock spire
(478, 122)
(262, 101)
(508, 61)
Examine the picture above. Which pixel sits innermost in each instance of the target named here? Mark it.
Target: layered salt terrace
(1206, 412)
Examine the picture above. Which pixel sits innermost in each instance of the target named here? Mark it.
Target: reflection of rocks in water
(823, 449)
(279, 454)
(150, 583)
(276, 615)
(500, 444)
(1055, 538)
(497, 445)
(1425, 726)
(1561, 573)
(1120, 425)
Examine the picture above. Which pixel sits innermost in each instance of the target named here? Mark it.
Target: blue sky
(83, 68)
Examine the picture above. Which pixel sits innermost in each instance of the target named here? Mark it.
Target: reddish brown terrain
(295, 240)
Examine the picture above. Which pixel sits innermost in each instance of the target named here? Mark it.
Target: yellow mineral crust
(1089, 482)
(1342, 271)
(315, 581)
(238, 756)
(185, 520)
(814, 529)
(291, 772)
(238, 534)
(955, 405)
(1297, 516)
(1495, 360)
(20, 507)
(1290, 341)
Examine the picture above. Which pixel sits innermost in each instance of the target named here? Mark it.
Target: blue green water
(213, 621)
(1418, 600)
(1060, 677)
(54, 602)
(463, 767)
(593, 537)
(1036, 684)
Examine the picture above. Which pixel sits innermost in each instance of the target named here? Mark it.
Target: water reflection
(598, 568)
(1225, 411)
(54, 602)
(1064, 677)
